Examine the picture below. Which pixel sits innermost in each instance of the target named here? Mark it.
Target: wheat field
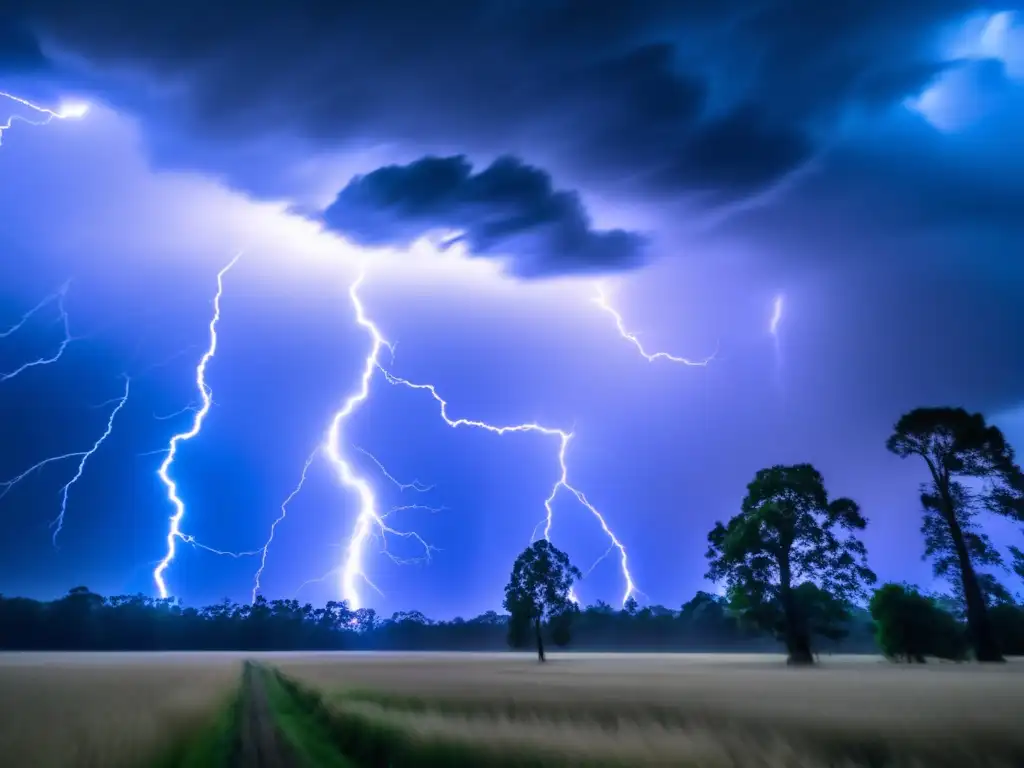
(708, 710)
(106, 710)
(112, 710)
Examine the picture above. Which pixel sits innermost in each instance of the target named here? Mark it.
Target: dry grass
(628, 743)
(714, 710)
(109, 710)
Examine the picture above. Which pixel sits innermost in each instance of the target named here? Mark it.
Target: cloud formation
(808, 140)
(710, 102)
(508, 209)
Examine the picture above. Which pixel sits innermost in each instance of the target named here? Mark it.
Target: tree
(825, 615)
(911, 626)
(1008, 624)
(1018, 561)
(539, 589)
(787, 533)
(561, 625)
(957, 445)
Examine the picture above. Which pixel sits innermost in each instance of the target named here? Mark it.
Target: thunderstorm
(371, 522)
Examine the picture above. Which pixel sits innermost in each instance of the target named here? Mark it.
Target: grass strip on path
(308, 736)
(372, 736)
(212, 745)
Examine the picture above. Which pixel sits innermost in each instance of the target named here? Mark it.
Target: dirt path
(260, 743)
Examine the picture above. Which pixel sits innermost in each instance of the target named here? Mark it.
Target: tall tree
(1018, 561)
(957, 445)
(788, 533)
(538, 590)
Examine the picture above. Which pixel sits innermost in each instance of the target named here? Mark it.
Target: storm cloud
(508, 209)
(707, 102)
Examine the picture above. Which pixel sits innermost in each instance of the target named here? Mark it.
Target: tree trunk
(540, 640)
(798, 646)
(798, 641)
(983, 638)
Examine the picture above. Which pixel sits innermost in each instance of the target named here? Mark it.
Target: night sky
(484, 164)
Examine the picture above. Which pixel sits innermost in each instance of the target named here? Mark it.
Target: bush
(911, 626)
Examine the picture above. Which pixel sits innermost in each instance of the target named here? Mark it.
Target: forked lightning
(174, 533)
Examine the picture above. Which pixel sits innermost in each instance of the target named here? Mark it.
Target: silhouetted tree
(911, 626)
(954, 445)
(1018, 561)
(561, 625)
(539, 587)
(1008, 626)
(788, 532)
(824, 615)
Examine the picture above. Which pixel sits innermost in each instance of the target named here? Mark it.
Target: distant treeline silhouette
(83, 620)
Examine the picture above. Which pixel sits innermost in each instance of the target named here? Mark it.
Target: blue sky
(844, 183)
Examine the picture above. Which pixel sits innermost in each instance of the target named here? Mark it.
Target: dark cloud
(508, 209)
(781, 126)
(667, 96)
(19, 49)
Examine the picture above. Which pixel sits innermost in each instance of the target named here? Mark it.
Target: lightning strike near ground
(562, 482)
(174, 533)
(369, 520)
(58, 522)
(57, 297)
(43, 115)
(280, 518)
(602, 301)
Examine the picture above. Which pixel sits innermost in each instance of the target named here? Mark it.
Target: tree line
(794, 566)
(791, 562)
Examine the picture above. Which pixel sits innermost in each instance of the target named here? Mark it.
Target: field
(106, 709)
(506, 709)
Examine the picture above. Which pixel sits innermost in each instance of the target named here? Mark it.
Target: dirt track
(260, 742)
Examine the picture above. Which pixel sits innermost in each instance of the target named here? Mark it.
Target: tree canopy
(540, 589)
(789, 533)
(911, 626)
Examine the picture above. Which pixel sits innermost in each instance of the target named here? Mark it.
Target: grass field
(109, 710)
(578, 709)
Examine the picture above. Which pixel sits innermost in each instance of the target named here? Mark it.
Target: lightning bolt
(773, 329)
(369, 518)
(174, 533)
(415, 485)
(57, 297)
(562, 482)
(601, 299)
(58, 522)
(7, 485)
(280, 519)
(67, 112)
(777, 307)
